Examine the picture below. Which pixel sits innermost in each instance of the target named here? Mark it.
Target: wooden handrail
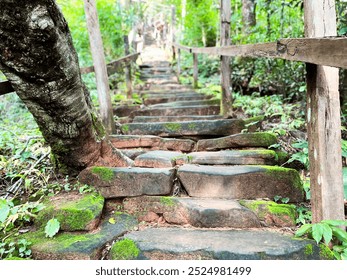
(112, 67)
(330, 51)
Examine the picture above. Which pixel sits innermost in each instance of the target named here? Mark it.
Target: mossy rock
(74, 211)
(125, 249)
(272, 213)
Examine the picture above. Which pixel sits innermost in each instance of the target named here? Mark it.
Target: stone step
(161, 81)
(233, 157)
(125, 110)
(182, 90)
(151, 100)
(206, 213)
(241, 182)
(176, 111)
(257, 139)
(127, 182)
(147, 119)
(186, 103)
(152, 142)
(197, 244)
(157, 159)
(169, 86)
(186, 128)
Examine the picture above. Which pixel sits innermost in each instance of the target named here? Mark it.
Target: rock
(241, 182)
(196, 244)
(181, 110)
(231, 157)
(186, 103)
(79, 246)
(208, 213)
(133, 153)
(73, 210)
(258, 139)
(172, 144)
(125, 182)
(187, 128)
(153, 99)
(125, 110)
(272, 213)
(157, 159)
(146, 119)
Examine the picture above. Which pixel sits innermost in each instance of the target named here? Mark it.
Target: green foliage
(302, 154)
(329, 232)
(13, 249)
(52, 227)
(304, 215)
(125, 249)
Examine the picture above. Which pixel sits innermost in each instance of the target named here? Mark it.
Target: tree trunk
(248, 14)
(343, 91)
(38, 58)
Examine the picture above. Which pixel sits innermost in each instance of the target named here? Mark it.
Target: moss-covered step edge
(272, 213)
(77, 245)
(256, 139)
(197, 244)
(74, 211)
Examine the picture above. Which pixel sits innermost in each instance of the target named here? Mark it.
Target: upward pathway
(201, 184)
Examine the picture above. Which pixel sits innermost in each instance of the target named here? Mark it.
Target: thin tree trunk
(38, 58)
(248, 14)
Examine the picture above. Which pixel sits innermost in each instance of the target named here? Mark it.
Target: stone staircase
(201, 186)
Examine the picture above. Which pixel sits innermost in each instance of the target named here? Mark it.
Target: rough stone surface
(133, 153)
(187, 103)
(157, 159)
(79, 246)
(74, 211)
(231, 157)
(208, 213)
(152, 99)
(194, 244)
(182, 110)
(258, 139)
(135, 181)
(272, 213)
(125, 110)
(146, 119)
(241, 182)
(187, 128)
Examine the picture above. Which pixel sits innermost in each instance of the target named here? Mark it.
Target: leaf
(303, 230)
(52, 227)
(317, 232)
(335, 223)
(4, 210)
(112, 221)
(327, 233)
(340, 234)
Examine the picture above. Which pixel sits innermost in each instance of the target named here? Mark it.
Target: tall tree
(248, 14)
(38, 58)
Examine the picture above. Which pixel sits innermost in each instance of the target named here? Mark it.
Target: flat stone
(125, 110)
(241, 182)
(133, 153)
(272, 213)
(152, 99)
(208, 213)
(155, 93)
(231, 157)
(149, 141)
(124, 182)
(196, 244)
(181, 110)
(146, 119)
(74, 211)
(157, 159)
(257, 139)
(79, 246)
(186, 128)
(186, 103)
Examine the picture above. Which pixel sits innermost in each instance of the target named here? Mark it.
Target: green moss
(264, 138)
(173, 126)
(15, 259)
(192, 126)
(125, 128)
(254, 119)
(99, 128)
(167, 201)
(125, 249)
(325, 253)
(104, 173)
(308, 249)
(288, 174)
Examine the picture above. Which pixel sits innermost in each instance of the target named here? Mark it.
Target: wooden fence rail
(112, 67)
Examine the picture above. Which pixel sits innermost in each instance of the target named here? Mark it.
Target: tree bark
(248, 14)
(38, 58)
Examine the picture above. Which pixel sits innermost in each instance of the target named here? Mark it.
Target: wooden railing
(319, 50)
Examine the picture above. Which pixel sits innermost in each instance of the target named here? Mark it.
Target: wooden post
(195, 70)
(128, 69)
(98, 55)
(172, 30)
(225, 15)
(323, 118)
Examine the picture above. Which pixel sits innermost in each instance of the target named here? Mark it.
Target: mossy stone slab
(146, 119)
(74, 211)
(124, 182)
(196, 244)
(153, 99)
(186, 128)
(157, 159)
(241, 182)
(272, 213)
(257, 139)
(186, 103)
(79, 246)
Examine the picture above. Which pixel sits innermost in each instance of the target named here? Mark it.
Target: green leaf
(52, 227)
(327, 233)
(112, 221)
(335, 223)
(317, 232)
(340, 234)
(4, 210)
(303, 230)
